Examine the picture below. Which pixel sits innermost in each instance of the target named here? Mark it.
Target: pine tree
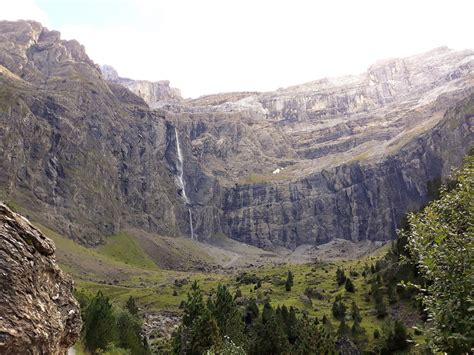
(267, 312)
(395, 337)
(205, 334)
(251, 312)
(380, 307)
(340, 276)
(285, 316)
(338, 309)
(327, 324)
(292, 325)
(225, 312)
(349, 285)
(269, 337)
(193, 306)
(357, 329)
(366, 271)
(129, 330)
(289, 281)
(343, 329)
(355, 312)
(392, 295)
(99, 324)
(313, 339)
(131, 306)
(198, 331)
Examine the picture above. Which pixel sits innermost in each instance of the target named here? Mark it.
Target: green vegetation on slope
(122, 247)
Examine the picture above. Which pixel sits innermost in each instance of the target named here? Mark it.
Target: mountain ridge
(155, 94)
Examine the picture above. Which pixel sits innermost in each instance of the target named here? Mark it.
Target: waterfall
(181, 183)
(191, 222)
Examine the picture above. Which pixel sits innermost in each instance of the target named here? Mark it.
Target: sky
(211, 46)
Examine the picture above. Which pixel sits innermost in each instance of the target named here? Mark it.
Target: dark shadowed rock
(38, 314)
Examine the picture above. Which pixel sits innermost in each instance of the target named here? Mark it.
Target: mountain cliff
(86, 156)
(343, 157)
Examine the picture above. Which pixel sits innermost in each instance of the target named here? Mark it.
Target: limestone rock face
(156, 94)
(38, 314)
(344, 157)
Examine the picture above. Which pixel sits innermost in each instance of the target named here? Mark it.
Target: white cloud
(212, 46)
(23, 10)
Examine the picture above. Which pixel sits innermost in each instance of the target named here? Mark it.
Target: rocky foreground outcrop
(334, 158)
(38, 314)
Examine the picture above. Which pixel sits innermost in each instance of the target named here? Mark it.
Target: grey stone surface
(156, 94)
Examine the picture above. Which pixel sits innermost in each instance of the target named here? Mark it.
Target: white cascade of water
(181, 183)
(191, 222)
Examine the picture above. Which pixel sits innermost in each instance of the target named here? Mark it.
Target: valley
(122, 268)
(283, 222)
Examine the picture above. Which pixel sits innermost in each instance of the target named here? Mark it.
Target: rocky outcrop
(333, 158)
(156, 94)
(38, 314)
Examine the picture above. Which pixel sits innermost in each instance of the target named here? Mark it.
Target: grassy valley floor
(159, 271)
(122, 268)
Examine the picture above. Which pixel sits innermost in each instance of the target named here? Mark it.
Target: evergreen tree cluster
(111, 329)
(218, 325)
